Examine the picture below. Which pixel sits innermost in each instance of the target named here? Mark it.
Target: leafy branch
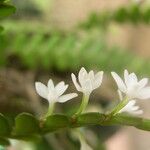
(64, 52)
(26, 126)
(133, 14)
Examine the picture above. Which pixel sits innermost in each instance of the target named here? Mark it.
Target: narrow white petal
(61, 88)
(67, 97)
(133, 77)
(142, 83)
(91, 75)
(138, 112)
(134, 108)
(82, 75)
(98, 79)
(128, 107)
(131, 81)
(75, 82)
(59, 85)
(132, 102)
(144, 93)
(131, 108)
(41, 89)
(50, 84)
(126, 74)
(119, 82)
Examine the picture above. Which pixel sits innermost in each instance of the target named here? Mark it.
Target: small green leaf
(6, 10)
(4, 126)
(26, 124)
(4, 142)
(54, 122)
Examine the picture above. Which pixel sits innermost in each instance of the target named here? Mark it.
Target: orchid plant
(129, 91)
(126, 111)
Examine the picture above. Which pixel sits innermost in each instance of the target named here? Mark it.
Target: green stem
(83, 105)
(50, 109)
(59, 121)
(122, 104)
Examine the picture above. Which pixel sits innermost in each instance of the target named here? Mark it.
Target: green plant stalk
(122, 104)
(84, 103)
(50, 109)
(28, 127)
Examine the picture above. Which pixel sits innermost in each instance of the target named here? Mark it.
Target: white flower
(87, 81)
(131, 87)
(54, 93)
(131, 108)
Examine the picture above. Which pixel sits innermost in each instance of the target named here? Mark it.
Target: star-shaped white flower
(54, 93)
(131, 87)
(131, 108)
(87, 81)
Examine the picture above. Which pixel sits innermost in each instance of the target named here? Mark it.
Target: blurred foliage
(26, 8)
(133, 14)
(6, 9)
(39, 48)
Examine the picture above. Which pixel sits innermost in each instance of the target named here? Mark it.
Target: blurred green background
(50, 39)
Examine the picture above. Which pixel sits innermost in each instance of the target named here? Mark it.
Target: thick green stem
(57, 121)
(83, 105)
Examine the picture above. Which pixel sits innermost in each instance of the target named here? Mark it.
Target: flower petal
(98, 79)
(126, 74)
(67, 97)
(120, 95)
(144, 93)
(143, 83)
(50, 84)
(131, 108)
(138, 112)
(119, 82)
(131, 80)
(41, 89)
(75, 82)
(61, 88)
(82, 76)
(91, 75)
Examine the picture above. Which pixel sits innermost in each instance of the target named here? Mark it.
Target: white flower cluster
(132, 89)
(129, 88)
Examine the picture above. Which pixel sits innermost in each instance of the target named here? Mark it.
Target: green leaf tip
(26, 124)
